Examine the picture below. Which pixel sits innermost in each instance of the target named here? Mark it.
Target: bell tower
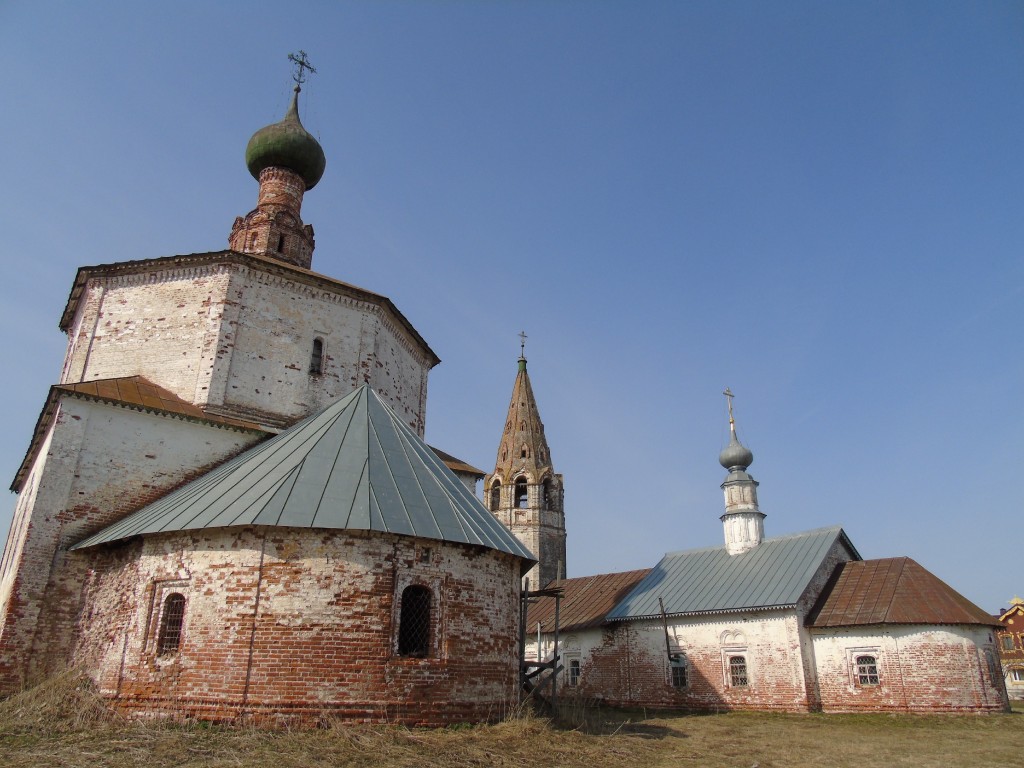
(523, 491)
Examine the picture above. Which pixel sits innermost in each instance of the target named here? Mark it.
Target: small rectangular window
(1017, 675)
(867, 670)
(316, 358)
(414, 622)
(737, 671)
(574, 672)
(679, 677)
(1007, 641)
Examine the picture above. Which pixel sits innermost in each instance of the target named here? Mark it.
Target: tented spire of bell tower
(523, 491)
(523, 446)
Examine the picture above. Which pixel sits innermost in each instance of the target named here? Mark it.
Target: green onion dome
(288, 145)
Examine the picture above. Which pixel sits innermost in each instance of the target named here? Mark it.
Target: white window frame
(571, 680)
(851, 664)
(680, 662)
(727, 654)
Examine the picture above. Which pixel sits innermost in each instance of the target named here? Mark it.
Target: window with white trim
(680, 673)
(866, 669)
(573, 678)
(1017, 675)
(738, 677)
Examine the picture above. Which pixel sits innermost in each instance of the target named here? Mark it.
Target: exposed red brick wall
(920, 669)
(98, 463)
(629, 667)
(293, 625)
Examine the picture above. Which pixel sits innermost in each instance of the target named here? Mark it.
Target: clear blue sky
(816, 204)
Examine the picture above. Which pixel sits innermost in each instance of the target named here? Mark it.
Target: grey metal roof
(771, 575)
(355, 465)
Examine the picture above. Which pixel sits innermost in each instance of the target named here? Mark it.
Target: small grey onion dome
(735, 455)
(288, 145)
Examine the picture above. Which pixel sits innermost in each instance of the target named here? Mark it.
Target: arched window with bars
(414, 622)
(172, 619)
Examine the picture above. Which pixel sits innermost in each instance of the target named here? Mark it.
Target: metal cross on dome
(729, 396)
(522, 343)
(301, 64)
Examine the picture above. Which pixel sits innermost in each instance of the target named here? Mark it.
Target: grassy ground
(63, 723)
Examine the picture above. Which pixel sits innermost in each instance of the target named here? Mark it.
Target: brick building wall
(293, 625)
(919, 669)
(97, 463)
(626, 664)
(237, 339)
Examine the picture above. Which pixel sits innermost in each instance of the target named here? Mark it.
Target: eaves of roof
(132, 392)
(585, 601)
(457, 465)
(262, 263)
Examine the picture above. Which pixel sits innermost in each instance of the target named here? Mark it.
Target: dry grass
(64, 723)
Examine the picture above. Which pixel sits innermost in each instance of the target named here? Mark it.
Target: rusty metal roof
(773, 574)
(140, 391)
(354, 465)
(457, 465)
(128, 392)
(263, 263)
(585, 601)
(893, 590)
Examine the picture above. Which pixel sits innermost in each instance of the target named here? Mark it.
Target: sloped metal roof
(585, 602)
(135, 392)
(773, 574)
(894, 590)
(355, 465)
(456, 464)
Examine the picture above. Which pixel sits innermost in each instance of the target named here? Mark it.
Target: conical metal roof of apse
(354, 465)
